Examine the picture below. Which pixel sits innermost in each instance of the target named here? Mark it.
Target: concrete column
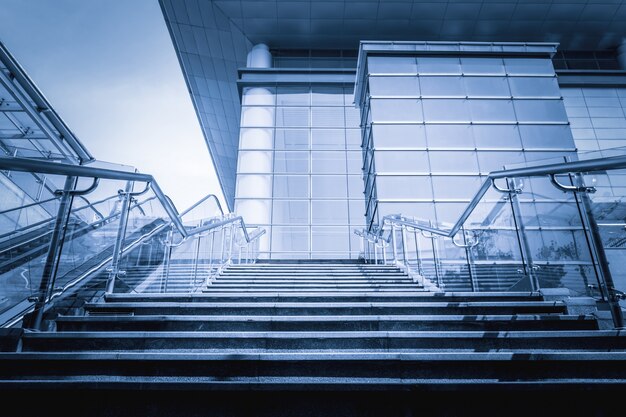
(259, 57)
(258, 160)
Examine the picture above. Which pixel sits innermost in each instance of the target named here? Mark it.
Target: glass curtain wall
(597, 117)
(299, 172)
(435, 125)
(598, 120)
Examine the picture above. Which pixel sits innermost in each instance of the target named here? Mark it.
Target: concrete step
(303, 281)
(255, 342)
(320, 296)
(308, 370)
(327, 308)
(326, 323)
(212, 289)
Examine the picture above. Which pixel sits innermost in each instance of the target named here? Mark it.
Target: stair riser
(374, 325)
(467, 344)
(226, 371)
(309, 298)
(191, 309)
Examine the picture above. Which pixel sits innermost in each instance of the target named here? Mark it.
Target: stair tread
(329, 334)
(331, 318)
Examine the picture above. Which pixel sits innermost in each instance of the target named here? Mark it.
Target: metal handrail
(590, 165)
(249, 237)
(202, 200)
(45, 167)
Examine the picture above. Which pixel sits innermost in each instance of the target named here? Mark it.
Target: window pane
(492, 111)
(446, 110)
(353, 116)
(487, 87)
(291, 162)
(540, 111)
(256, 138)
(328, 139)
(445, 136)
(258, 96)
(482, 66)
(391, 65)
(293, 186)
(425, 211)
(327, 96)
(528, 66)
(433, 65)
(355, 162)
(496, 136)
(293, 96)
(292, 117)
(455, 187)
(464, 161)
(403, 187)
(329, 212)
(401, 161)
(291, 139)
(259, 186)
(290, 212)
(290, 238)
(330, 238)
(534, 87)
(396, 110)
(327, 117)
(495, 161)
(254, 211)
(394, 86)
(399, 136)
(541, 136)
(355, 186)
(255, 161)
(328, 162)
(442, 86)
(353, 138)
(257, 116)
(328, 186)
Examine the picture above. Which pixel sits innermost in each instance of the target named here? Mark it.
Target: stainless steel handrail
(45, 167)
(249, 237)
(590, 165)
(202, 200)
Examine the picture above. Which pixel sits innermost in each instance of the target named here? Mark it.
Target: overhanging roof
(575, 24)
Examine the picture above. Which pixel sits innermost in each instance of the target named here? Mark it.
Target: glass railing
(553, 224)
(128, 232)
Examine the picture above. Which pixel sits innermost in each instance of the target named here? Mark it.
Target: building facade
(317, 131)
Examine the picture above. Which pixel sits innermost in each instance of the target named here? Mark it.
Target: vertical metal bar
(522, 238)
(196, 258)
(222, 245)
(119, 241)
(418, 257)
(211, 246)
(375, 254)
(404, 246)
(470, 263)
(393, 243)
(232, 241)
(384, 249)
(48, 276)
(434, 246)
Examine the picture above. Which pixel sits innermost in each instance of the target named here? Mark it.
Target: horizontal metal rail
(249, 237)
(202, 200)
(44, 167)
(590, 165)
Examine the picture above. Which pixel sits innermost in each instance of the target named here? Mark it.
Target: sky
(109, 69)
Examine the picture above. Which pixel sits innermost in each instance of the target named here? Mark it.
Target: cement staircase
(320, 327)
